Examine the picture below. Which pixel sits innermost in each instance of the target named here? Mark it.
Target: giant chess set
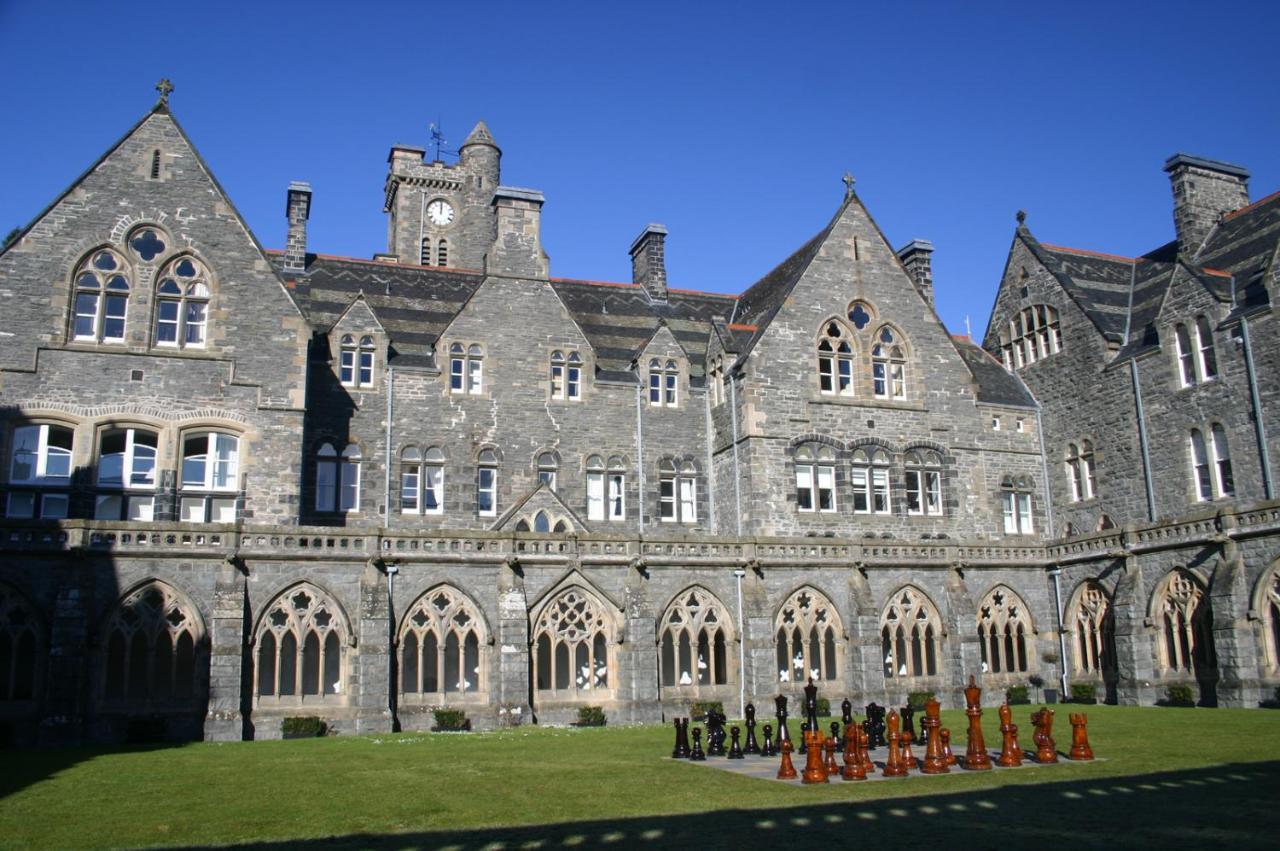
(892, 732)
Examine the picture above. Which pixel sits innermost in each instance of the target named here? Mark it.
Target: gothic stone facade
(240, 484)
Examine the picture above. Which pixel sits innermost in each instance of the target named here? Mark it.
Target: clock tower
(441, 214)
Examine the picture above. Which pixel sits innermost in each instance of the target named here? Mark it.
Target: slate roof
(996, 385)
(1098, 283)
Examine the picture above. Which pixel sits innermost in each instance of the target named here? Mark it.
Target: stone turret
(482, 157)
(1203, 190)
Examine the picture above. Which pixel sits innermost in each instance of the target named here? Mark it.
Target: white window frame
(487, 467)
(1207, 358)
(108, 288)
(664, 383)
(1018, 514)
(1201, 472)
(212, 499)
(923, 479)
(466, 369)
(677, 493)
(1185, 359)
(1223, 478)
(189, 296)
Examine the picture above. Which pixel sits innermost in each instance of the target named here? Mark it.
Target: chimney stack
(297, 211)
(1203, 190)
(648, 261)
(916, 257)
(517, 252)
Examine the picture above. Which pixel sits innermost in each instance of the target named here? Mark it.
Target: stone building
(241, 484)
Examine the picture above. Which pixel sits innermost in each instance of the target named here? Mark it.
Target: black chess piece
(804, 728)
(874, 726)
(811, 706)
(908, 712)
(735, 747)
(769, 748)
(835, 736)
(846, 712)
(681, 750)
(715, 733)
(751, 746)
(784, 735)
(696, 754)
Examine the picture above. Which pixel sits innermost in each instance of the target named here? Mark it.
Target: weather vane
(438, 141)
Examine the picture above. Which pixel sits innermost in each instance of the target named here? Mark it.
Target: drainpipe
(742, 650)
(386, 492)
(1142, 441)
(1259, 426)
(1056, 573)
(737, 479)
(640, 453)
(393, 674)
(711, 484)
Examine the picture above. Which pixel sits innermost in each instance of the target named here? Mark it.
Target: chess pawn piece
(1046, 748)
(909, 712)
(894, 766)
(696, 754)
(769, 748)
(908, 758)
(751, 746)
(786, 771)
(947, 753)
(735, 747)
(1080, 736)
(864, 751)
(846, 714)
(835, 734)
(975, 755)
(830, 747)
(853, 768)
(784, 735)
(804, 737)
(1010, 752)
(815, 771)
(934, 760)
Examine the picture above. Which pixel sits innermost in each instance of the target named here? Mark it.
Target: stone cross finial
(848, 184)
(164, 87)
(1022, 216)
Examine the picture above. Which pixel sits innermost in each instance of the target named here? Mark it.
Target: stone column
(1234, 640)
(373, 662)
(865, 669)
(511, 663)
(68, 680)
(760, 653)
(1135, 653)
(964, 654)
(638, 654)
(223, 721)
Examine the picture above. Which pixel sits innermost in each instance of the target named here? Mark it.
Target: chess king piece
(909, 712)
(1046, 747)
(751, 746)
(830, 747)
(853, 768)
(908, 758)
(864, 751)
(947, 753)
(681, 750)
(846, 714)
(769, 748)
(815, 771)
(1080, 736)
(735, 747)
(780, 706)
(811, 707)
(786, 771)
(1010, 752)
(975, 755)
(835, 734)
(697, 754)
(934, 760)
(894, 766)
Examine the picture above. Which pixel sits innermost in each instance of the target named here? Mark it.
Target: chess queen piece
(681, 750)
(830, 747)
(1010, 752)
(947, 753)
(697, 754)
(751, 746)
(934, 760)
(815, 771)
(853, 768)
(780, 705)
(894, 766)
(786, 771)
(975, 755)
(1080, 736)
(769, 748)
(1046, 748)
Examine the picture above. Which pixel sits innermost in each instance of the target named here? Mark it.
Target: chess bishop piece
(786, 771)
(815, 770)
(894, 766)
(1010, 752)
(934, 760)
(697, 754)
(751, 746)
(853, 768)
(830, 747)
(975, 755)
(1046, 748)
(735, 747)
(769, 748)
(1080, 736)
(947, 753)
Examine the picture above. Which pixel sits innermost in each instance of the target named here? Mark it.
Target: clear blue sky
(731, 123)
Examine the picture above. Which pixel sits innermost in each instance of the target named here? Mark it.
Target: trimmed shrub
(1016, 695)
(451, 720)
(1084, 693)
(303, 727)
(1179, 694)
(824, 707)
(591, 716)
(917, 699)
(699, 708)
(1036, 681)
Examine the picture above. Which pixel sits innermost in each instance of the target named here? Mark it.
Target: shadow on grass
(29, 766)
(1232, 805)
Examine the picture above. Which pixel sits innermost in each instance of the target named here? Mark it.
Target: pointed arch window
(21, 647)
(182, 305)
(440, 647)
(153, 641)
(923, 476)
(571, 656)
(693, 642)
(102, 299)
(835, 361)
(1186, 625)
(1223, 479)
(869, 481)
(487, 483)
(816, 479)
(1004, 627)
(809, 638)
(422, 481)
(1091, 616)
(910, 635)
(1208, 360)
(1270, 607)
(1033, 334)
(1186, 363)
(301, 649)
(888, 367)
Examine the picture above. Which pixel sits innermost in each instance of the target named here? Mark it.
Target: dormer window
(1033, 334)
(355, 366)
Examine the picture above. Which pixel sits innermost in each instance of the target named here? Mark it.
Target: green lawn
(1184, 776)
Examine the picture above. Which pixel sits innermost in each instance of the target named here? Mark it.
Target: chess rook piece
(853, 768)
(909, 712)
(830, 747)
(811, 707)
(835, 734)
(1010, 752)
(1046, 748)
(975, 755)
(846, 714)
(751, 746)
(894, 766)
(1080, 736)
(804, 739)
(864, 751)
(681, 750)
(947, 753)
(934, 760)
(786, 771)
(769, 748)
(696, 754)
(815, 770)
(735, 747)
(784, 735)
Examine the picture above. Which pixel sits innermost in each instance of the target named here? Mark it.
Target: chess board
(766, 768)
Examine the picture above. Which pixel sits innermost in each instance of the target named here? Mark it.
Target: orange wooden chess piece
(853, 767)
(1046, 748)
(786, 771)
(1080, 737)
(908, 758)
(975, 755)
(894, 765)
(830, 747)
(1010, 751)
(864, 749)
(815, 771)
(947, 753)
(934, 760)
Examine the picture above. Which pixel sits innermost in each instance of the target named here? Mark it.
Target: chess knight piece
(830, 747)
(875, 725)
(1046, 747)
(715, 733)
(947, 753)
(780, 705)
(769, 748)
(1080, 736)
(975, 755)
(815, 771)
(735, 747)
(934, 760)
(696, 754)
(786, 771)
(1010, 751)
(853, 768)
(751, 746)
(894, 766)
(681, 750)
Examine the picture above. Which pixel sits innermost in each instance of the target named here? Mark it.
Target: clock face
(440, 212)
